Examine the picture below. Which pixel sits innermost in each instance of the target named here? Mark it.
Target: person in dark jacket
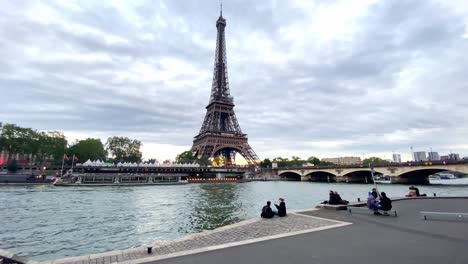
(338, 197)
(385, 203)
(281, 208)
(266, 211)
(332, 198)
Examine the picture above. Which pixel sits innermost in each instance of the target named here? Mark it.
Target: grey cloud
(356, 91)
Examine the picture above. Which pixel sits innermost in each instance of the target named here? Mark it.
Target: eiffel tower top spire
(220, 86)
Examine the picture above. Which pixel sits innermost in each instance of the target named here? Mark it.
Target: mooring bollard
(150, 249)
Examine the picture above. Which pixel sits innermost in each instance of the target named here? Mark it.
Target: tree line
(293, 162)
(38, 147)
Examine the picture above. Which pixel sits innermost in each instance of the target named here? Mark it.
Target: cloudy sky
(324, 78)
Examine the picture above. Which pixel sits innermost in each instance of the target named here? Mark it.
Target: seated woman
(340, 201)
(333, 199)
(372, 202)
(412, 192)
(281, 208)
(385, 203)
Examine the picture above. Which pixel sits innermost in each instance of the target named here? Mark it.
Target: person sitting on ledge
(333, 199)
(266, 211)
(385, 203)
(372, 203)
(281, 208)
(340, 201)
(414, 192)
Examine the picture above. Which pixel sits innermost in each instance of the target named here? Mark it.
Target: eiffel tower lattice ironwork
(220, 134)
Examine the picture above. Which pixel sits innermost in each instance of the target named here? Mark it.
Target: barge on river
(99, 179)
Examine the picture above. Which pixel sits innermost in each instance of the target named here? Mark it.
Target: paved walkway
(245, 232)
(381, 239)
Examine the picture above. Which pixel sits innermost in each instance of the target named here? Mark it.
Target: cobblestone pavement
(243, 231)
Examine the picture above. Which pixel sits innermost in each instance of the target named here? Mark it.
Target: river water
(47, 222)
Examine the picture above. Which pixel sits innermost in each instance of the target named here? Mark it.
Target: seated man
(385, 203)
(266, 211)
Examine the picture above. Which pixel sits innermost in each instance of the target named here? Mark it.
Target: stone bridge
(399, 173)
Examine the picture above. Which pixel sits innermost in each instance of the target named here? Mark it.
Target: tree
(326, 163)
(313, 160)
(218, 161)
(296, 162)
(90, 148)
(40, 145)
(185, 157)
(374, 160)
(266, 163)
(124, 149)
(282, 162)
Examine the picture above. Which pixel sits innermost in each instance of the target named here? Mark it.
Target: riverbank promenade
(318, 236)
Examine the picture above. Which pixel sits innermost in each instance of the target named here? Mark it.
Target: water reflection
(217, 205)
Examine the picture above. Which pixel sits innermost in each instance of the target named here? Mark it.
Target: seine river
(47, 222)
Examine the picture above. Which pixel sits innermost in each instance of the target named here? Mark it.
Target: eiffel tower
(220, 134)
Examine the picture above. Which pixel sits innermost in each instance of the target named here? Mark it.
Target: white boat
(446, 176)
(118, 179)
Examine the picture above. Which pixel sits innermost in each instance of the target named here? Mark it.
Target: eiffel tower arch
(220, 134)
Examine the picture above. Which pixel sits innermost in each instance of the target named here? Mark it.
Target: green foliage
(90, 148)
(41, 145)
(296, 162)
(187, 157)
(12, 166)
(326, 163)
(313, 160)
(124, 149)
(374, 160)
(218, 161)
(266, 163)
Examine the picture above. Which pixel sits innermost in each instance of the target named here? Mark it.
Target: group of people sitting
(378, 202)
(280, 211)
(414, 192)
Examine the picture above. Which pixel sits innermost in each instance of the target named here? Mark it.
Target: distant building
(397, 158)
(433, 156)
(274, 165)
(420, 155)
(453, 156)
(344, 160)
(445, 157)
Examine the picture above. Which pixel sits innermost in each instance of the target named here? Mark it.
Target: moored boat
(91, 179)
(216, 180)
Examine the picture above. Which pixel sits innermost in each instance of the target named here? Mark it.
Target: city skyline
(308, 78)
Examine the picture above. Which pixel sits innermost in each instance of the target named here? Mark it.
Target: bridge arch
(228, 151)
(321, 176)
(290, 176)
(418, 176)
(360, 176)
